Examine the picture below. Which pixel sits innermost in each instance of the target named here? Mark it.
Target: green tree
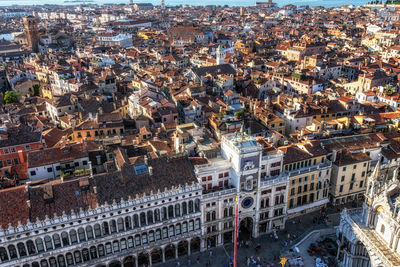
(10, 97)
(389, 90)
(36, 89)
(239, 114)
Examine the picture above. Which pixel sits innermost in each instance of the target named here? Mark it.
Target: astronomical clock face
(247, 202)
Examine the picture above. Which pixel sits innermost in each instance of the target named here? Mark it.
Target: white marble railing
(219, 193)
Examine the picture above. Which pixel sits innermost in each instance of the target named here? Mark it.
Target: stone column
(8, 252)
(176, 251)
(396, 243)
(163, 253)
(150, 260)
(136, 261)
(202, 247)
(189, 247)
(338, 252)
(350, 263)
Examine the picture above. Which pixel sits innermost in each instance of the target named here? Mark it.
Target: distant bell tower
(32, 32)
(162, 5)
(220, 55)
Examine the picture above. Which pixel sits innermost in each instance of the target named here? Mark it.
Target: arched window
(135, 220)
(97, 230)
(231, 211)
(39, 245)
(137, 241)
(208, 216)
(191, 225)
(165, 233)
(184, 208)
(21, 249)
(151, 236)
(31, 247)
(177, 210)
(197, 224)
(128, 223)
(120, 225)
(35, 264)
(64, 239)
(150, 217)
(171, 230)
(93, 252)
(123, 244)
(170, 211)
(144, 238)
(12, 251)
(53, 262)
(61, 261)
(130, 242)
(57, 241)
(43, 263)
(190, 206)
(116, 246)
(213, 215)
(3, 254)
(226, 212)
(158, 234)
(108, 248)
(81, 234)
(70, 259)
(113, 226)
(267, 202)
(157, 215)
(142, 219)
(163, 213)
(100, 249)
(197, 205)
(184, 227)
(48, 243)
(85, 255)
(77, 256)
(106, 229)
(281, 198)
(178, 229)
(73, 236)
(89, 232)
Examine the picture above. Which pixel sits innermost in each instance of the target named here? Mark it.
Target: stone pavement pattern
(270, 248)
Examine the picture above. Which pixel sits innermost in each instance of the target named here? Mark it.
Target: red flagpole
(236, 231)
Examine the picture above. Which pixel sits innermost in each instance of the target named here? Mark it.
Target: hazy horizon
(325, 3)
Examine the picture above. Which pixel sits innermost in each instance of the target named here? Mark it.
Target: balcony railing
(322, 166)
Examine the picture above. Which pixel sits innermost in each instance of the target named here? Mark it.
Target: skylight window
(141, 169)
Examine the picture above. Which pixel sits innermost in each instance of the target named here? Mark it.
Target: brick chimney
(21, 156)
